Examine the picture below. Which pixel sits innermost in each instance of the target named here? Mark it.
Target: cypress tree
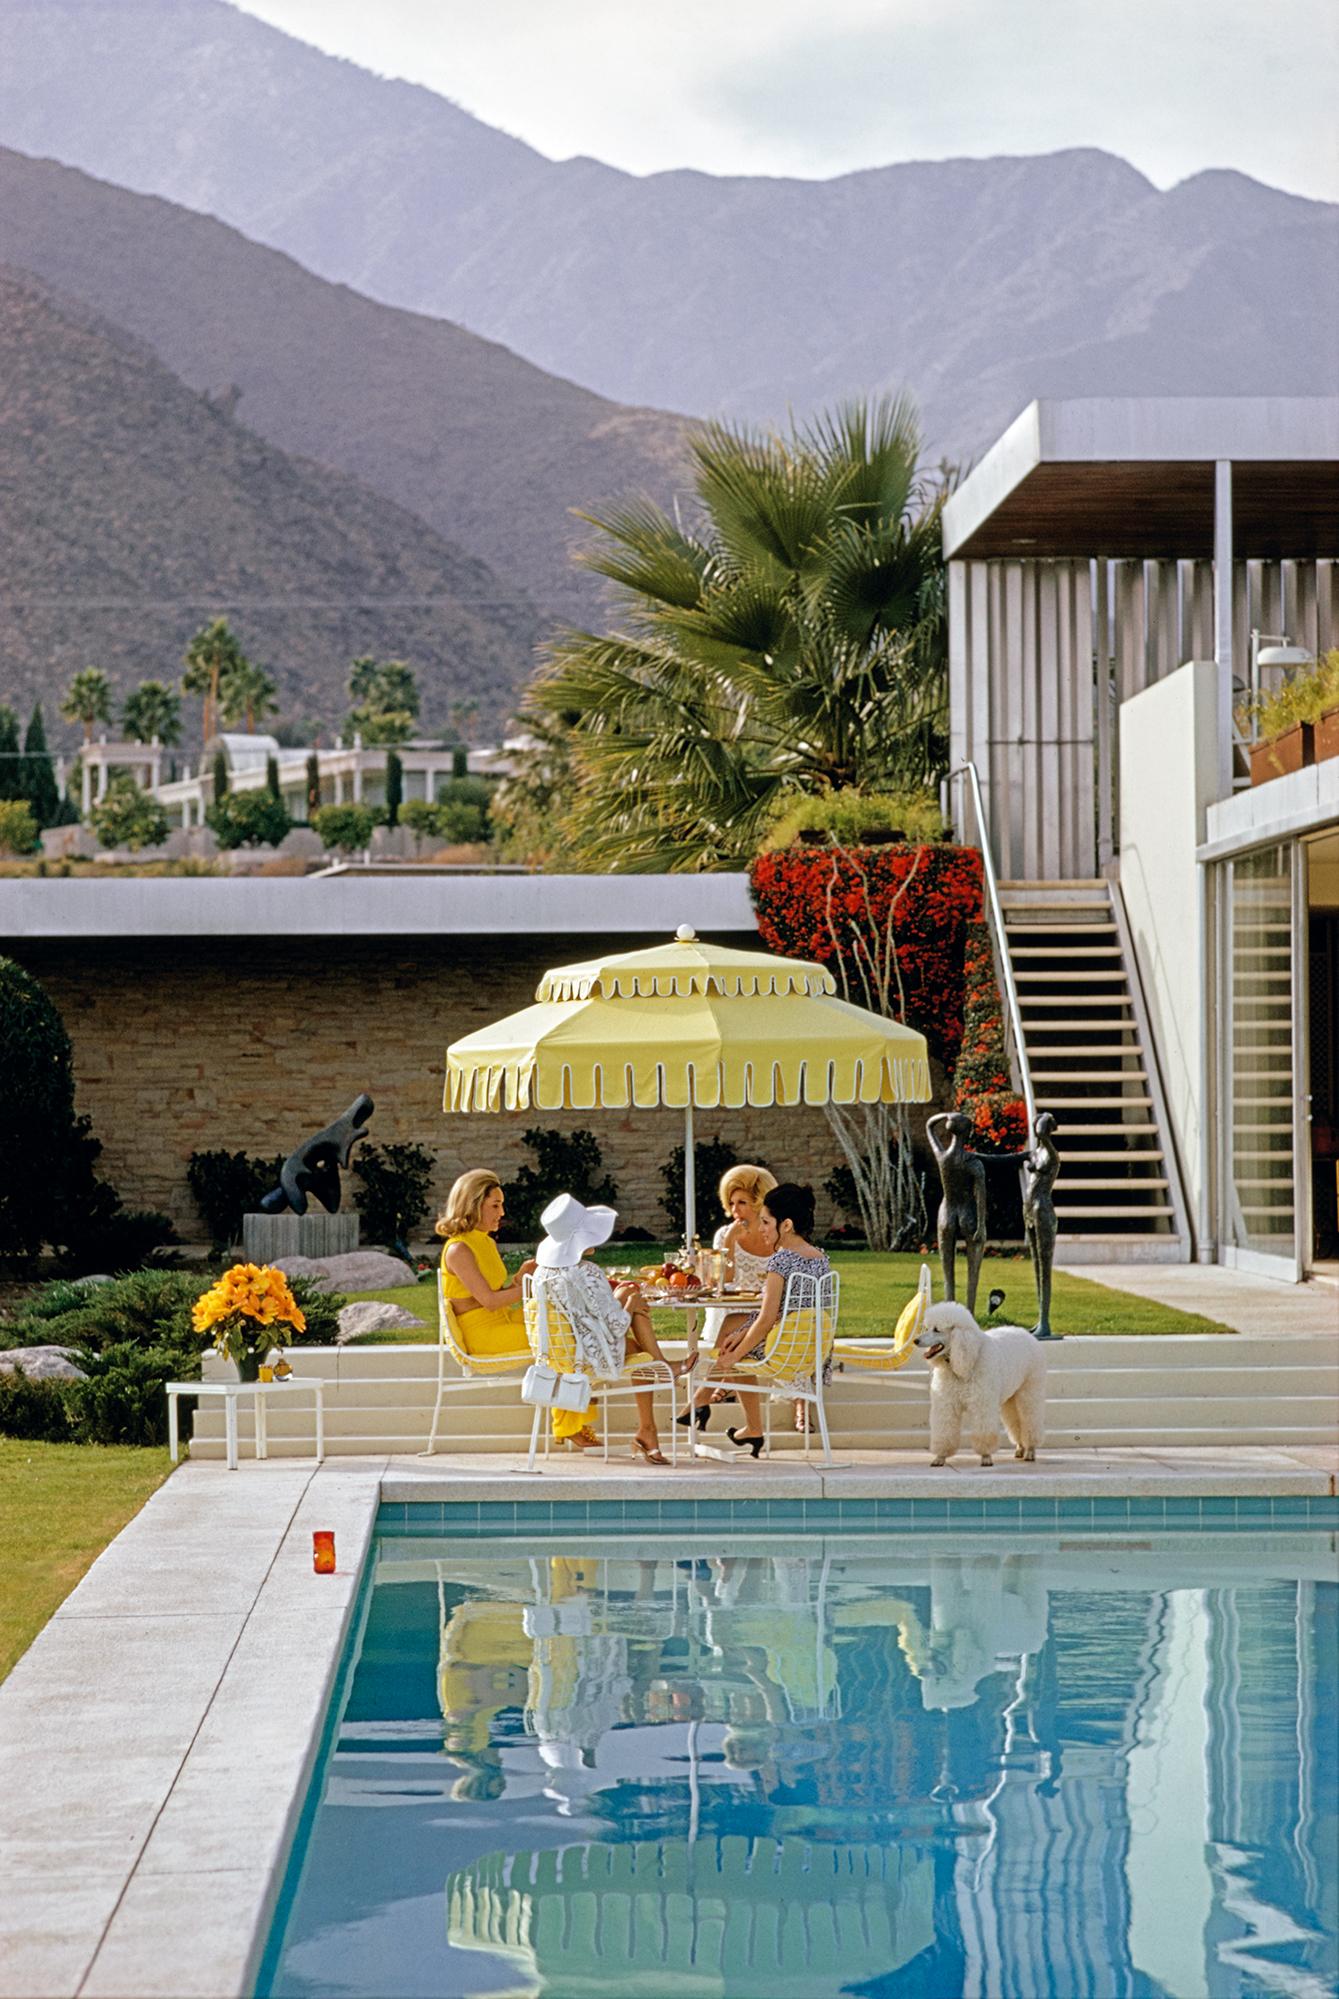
(39, 772)
(460, 761)
(313, 784)
(12, 768)
(272, 779)
(220, 773)
(394, 788)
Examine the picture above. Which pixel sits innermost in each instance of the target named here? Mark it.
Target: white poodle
(979, 1380)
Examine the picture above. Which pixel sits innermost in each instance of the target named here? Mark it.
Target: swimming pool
(662, 1758)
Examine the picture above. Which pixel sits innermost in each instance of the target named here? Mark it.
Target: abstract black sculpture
(962, 1212)
(314, 1167)
(1040, 1167)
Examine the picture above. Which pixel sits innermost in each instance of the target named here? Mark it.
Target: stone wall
(253, 1044)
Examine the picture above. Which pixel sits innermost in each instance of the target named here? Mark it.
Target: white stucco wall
(1168, 775)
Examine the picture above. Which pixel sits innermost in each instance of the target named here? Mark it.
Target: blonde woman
(743, 1190)
(486, 1302)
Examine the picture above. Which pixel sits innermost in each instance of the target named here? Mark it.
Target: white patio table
(230, 1391)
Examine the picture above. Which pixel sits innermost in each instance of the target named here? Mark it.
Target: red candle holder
(323, 1553)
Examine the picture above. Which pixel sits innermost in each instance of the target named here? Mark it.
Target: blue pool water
(641, 1764)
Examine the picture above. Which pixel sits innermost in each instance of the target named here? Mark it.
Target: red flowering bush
(838, 904)
(982, 1083)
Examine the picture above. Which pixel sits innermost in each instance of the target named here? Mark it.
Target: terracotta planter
(1325, 736)
(1289, 752)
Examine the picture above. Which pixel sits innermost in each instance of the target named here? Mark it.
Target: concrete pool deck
(156, 1738)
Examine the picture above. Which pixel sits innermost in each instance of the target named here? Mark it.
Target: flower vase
(248, 1365)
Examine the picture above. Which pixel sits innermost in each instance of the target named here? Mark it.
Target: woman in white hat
(609, 1325)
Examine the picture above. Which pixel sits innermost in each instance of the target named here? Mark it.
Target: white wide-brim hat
(571, 1229)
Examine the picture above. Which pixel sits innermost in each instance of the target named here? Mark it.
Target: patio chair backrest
(549, 1331)
(800, 1342)
(449, 1333)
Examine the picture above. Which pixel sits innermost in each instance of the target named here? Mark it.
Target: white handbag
(543, 1387)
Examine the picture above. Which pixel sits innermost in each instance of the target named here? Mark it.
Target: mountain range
(491, 452)
(975, 284)
(284, 339)
(132, 510)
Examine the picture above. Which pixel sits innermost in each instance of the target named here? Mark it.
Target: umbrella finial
(685, 934)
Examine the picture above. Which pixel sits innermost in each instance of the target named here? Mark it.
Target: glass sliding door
(1260, 991)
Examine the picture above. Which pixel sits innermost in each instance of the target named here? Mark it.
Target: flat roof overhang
(350, 905)
(1135, 478)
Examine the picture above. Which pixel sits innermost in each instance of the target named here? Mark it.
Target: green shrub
(18, 827)
(848, 818)
(248, 819)
(346, 828)
(118, 1239)
(420, 817)
(130, 1338)
(38, 1411)
(460, 812)
(227, 1185)
(459, 821)
(321, 1310)
(569, 1162)
(123, 1399)
(393, 1197)
(711, 1158)
(128, 817)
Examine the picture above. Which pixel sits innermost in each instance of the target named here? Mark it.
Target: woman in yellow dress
(485, 1301)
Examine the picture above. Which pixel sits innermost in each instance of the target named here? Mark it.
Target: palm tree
(386, 701)
(88, 699)
(247, 694)
(212, 655)
(152, 713)
(793, 641)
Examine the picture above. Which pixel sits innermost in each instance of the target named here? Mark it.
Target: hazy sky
(792, 87)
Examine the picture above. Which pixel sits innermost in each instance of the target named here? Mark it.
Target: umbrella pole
(689, 1181)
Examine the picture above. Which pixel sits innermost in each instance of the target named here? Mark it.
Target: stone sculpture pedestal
(265, 1238)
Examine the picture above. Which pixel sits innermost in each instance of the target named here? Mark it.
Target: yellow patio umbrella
(692, 1025)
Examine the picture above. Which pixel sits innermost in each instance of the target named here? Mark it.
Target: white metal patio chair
(553, 1338)
(477, 1370)
(798, 1349)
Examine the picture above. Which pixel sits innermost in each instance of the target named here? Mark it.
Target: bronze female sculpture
(1040, 1167)
(962, 1212)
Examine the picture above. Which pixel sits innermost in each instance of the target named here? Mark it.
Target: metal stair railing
(969, 771)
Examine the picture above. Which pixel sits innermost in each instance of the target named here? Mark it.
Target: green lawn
(61, 1505)
(875, 1287)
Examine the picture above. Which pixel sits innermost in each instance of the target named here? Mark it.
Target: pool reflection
(876, 1767)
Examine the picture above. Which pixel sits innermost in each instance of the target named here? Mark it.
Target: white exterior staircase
(1086, 1037)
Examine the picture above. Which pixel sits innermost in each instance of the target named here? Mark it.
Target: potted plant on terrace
(1298, 724)
(249, 1310)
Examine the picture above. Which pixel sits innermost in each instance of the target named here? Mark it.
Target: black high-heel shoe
(742, 1443)
(701, 1415)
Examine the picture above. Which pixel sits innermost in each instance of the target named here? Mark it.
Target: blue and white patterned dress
(786, 1262)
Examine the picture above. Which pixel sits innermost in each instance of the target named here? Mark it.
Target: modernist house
(349, 773)
(1121, 574)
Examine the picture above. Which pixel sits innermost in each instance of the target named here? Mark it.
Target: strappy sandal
(583, 1440)
(644, 1451)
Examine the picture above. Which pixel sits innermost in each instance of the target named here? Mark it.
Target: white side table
(230, 1390)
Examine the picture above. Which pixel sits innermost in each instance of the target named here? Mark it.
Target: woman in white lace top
(743, 1189)
(608, 1324)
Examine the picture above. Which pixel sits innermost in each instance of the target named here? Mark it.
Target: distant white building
(350, 774)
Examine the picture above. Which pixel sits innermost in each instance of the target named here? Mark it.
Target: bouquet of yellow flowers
(249, 1310)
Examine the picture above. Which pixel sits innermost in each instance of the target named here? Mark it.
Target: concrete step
(1247, 1389)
